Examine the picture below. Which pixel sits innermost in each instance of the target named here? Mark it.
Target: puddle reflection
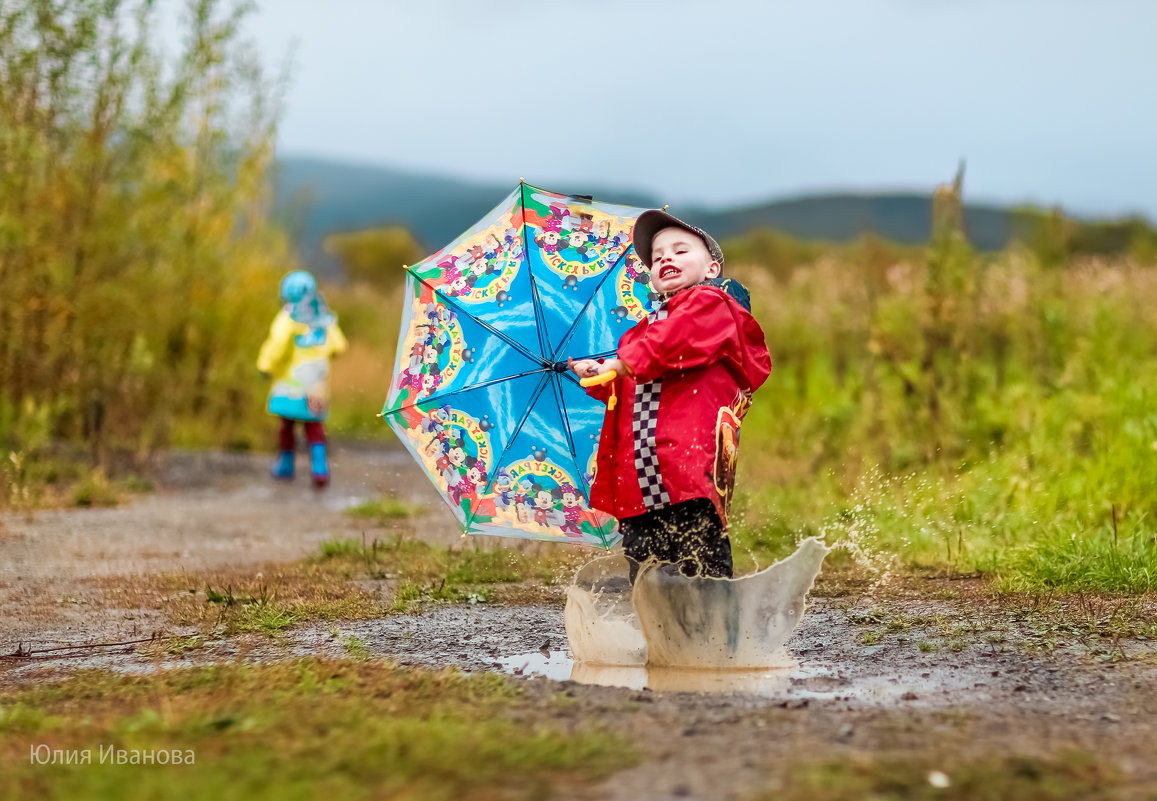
(770, 682)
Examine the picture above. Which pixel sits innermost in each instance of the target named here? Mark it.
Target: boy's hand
(618, 365)
(585, 368)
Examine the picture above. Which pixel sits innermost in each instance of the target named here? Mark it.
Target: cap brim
(652, 222)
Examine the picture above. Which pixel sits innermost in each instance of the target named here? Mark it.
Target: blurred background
(943, 209)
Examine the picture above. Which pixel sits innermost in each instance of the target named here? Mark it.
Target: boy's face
(679, 259)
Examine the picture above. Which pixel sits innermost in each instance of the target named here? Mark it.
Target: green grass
(428, 574)
(384, 510)
(1026, 535)
(267, 617)
(1067, 775)
(340, 729)
(347, 580)
(356, 648)
(1094, 562)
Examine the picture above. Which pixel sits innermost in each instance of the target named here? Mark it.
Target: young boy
(666, 459)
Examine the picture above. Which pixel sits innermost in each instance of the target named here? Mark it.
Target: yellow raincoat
(296, 356)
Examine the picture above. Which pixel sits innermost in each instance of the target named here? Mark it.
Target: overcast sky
(733, 101)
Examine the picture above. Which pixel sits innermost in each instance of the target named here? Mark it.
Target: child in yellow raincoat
(303, 338)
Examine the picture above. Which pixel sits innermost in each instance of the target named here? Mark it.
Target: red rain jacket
(708, 355)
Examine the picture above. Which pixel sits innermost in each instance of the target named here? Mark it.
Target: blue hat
(297, 285)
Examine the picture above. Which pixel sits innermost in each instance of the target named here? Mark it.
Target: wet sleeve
(701, 330)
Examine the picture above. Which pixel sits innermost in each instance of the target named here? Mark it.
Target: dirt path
(941, 685)
(210, 510)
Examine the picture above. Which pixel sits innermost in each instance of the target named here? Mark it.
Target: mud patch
(831, 666)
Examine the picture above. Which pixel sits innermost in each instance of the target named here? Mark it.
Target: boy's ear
(714, 269)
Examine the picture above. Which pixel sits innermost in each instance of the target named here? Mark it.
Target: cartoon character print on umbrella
(535, 493)
(593, 462)
(437, 349)
(485, 267)
(456, 449)
(576, 243)
(636, 298)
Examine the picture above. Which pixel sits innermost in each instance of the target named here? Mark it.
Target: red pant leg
(314, 433)
(285, 439)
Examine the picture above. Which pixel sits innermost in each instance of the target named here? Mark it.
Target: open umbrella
(481, 395)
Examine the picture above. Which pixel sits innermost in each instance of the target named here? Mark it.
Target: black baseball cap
(652, 222)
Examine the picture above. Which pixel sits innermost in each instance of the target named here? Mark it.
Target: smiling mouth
(668, 272)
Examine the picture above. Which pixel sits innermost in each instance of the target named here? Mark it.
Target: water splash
(676, 621)
(600, 620)
(741, 623)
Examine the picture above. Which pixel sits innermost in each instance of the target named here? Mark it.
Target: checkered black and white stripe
(645, 425)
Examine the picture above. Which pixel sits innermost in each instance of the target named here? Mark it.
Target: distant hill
(904, 218)
(318, 197)
(315, 197)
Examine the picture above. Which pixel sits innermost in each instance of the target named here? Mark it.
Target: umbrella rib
(513, 436)
(471, 388)
(569, 435)
(450, 302)
(590, 301)
(539, 317)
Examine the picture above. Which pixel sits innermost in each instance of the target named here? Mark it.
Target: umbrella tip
(666, 206)
(522, 180)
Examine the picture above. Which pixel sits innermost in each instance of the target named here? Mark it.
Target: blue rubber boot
(283, 466)
(319, 467)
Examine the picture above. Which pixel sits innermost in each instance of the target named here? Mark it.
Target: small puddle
(793, 682)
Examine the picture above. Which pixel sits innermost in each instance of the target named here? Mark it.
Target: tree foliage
(136, 259)
(375, 256)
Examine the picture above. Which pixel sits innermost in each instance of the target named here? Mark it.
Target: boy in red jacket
(666, 460)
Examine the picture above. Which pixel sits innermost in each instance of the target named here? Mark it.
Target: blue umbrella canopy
(481, 395)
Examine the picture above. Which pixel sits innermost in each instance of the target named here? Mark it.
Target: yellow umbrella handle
(602, 378)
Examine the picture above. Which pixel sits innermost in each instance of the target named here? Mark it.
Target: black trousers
(688, 534)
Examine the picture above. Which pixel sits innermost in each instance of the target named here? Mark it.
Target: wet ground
(209, 510)
(913, 689)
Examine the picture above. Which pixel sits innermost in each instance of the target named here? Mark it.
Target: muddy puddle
(672, 633)
(793, 681)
